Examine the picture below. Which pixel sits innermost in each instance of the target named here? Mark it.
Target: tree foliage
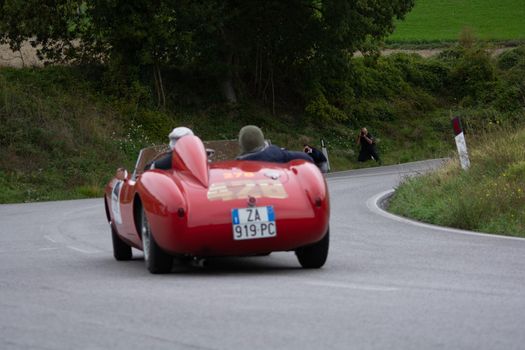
(266, 49)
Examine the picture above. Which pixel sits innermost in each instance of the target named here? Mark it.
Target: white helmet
(177, 133)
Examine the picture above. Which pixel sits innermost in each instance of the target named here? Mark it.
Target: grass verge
(489, 197)
(435, 21)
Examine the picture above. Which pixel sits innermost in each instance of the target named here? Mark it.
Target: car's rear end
(246, 208)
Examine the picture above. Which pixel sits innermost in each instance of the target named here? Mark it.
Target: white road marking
(352, 286)
(372, 204)
(50, 239)
(83, 250)
(28, 250)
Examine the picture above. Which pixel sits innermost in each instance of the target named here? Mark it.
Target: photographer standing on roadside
(368, 146)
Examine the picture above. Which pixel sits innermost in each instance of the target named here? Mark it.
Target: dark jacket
(317, 156)
(368, 150)
(163, 162)
(275, 154)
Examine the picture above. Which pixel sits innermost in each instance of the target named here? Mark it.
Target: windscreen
(148, 155)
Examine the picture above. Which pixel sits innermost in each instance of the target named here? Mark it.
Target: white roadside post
(461, 144)
(325, 152)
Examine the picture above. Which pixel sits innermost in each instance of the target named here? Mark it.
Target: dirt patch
(224, 149)
(426, 53)
(26, 57)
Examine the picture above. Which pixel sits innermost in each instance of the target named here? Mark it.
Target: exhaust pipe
(199, 262)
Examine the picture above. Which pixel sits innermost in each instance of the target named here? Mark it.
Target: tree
(258, 47)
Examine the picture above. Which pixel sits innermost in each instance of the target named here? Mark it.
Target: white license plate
(252, 223)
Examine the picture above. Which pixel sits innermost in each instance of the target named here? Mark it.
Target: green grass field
(429, 21)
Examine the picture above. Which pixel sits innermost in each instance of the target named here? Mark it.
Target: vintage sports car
(202, 208)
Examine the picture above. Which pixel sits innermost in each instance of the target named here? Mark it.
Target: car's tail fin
(190, 155)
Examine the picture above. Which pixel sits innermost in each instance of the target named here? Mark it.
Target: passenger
(165, 161)
(254, 147)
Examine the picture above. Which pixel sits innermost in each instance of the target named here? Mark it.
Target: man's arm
(291, 155)
(370, 139)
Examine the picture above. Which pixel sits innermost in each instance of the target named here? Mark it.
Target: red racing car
(204, 209)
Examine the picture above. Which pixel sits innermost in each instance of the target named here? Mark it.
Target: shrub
(510, 93)
(510, 58)
(156, 124)
(473, 76)
(320, 111)
(429, 74)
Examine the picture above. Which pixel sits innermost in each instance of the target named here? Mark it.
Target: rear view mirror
(122, 174)
(210, 153)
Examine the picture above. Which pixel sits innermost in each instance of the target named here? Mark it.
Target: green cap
(251, 139)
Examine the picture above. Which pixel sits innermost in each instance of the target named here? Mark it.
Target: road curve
(388, 284)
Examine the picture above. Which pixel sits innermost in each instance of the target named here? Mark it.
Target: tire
(314, 256)
(121, 251)
(157, 261)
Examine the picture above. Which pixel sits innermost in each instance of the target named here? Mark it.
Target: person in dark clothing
(318, 157)
(165, 161)
(253, 147)
(368, 147)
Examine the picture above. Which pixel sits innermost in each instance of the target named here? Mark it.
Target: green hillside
(502, 20)
(66, 129)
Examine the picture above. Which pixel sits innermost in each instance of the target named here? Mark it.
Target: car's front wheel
(157, 261)
(314, 255)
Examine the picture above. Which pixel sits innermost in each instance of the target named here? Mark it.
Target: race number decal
(238, 175)
(115, 202)
(240, 189)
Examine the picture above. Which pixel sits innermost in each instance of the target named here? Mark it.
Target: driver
(165, 161)
(253, 147)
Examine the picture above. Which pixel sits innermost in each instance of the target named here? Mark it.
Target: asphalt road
(388, 284)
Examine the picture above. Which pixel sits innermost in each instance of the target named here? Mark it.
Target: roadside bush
(382, 80)
(510, 58)
(511, 94)
(321, 112)
(373, 110)
(429, 74)
(474, 77)
(155, 124)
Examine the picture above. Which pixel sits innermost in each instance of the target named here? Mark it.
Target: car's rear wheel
(314, 255)
(157, 261)
(121, 251)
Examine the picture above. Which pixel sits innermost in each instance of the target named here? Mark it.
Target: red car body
(188, 209)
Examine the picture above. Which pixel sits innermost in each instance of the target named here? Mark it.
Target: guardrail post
(461, 144)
